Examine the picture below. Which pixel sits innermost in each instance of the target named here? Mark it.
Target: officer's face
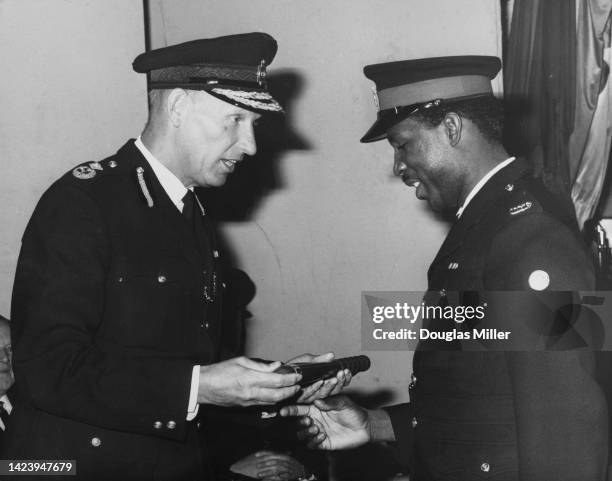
(423, 159)
(6, 358)
(214, 137)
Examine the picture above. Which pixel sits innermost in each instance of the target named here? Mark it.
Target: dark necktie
(189, 208)
(203, 234)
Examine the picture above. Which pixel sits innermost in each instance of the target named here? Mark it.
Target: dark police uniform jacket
(505, 415)
(108, 320)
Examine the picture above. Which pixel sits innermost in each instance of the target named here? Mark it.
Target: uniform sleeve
(560, 410)
(401, 419)
(57, 306)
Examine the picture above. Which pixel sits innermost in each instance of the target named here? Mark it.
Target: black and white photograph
(288, 240)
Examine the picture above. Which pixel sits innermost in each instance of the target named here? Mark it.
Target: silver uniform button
(485, 467)
(199, 424)
(442, 292)
(96, 442)
(414, 422)
(206, 325)
(413, 378)
(171, 425)
(161, 279)
(157, 424)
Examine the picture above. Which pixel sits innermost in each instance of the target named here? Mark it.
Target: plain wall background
(338, 223)
(68, 95)
(333, 223)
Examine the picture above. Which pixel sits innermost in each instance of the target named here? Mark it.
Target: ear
(176, 106)
(453, 126)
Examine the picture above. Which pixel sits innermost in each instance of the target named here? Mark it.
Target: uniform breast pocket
(466, 461)
(141, 299)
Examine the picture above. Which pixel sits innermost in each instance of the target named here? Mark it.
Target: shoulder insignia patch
(84, 172)
(539, 280)
(517, 209)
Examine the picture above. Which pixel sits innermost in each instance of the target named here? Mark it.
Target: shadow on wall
(258, 176)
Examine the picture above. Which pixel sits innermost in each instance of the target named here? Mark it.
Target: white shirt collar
(482, 182)
(170, 182)
(4, 400)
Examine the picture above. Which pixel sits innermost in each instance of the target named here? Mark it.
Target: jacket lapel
(169, 218)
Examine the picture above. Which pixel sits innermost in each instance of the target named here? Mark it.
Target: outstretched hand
(244, 382)
(333, 423)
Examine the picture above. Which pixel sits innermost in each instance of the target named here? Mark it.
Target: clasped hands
(245, 382)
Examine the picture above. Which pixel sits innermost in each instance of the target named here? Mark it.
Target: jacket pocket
(141, 299)
(459, 461)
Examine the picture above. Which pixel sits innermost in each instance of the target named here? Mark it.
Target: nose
(398, 166)
(247, 141)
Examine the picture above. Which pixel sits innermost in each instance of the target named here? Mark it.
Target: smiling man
(117, 295)
(489, 414)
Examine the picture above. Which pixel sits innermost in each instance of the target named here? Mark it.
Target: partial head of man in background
(6, 357)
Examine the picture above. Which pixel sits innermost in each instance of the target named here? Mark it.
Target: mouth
(416, 183)
(411, 182)
(230, 164)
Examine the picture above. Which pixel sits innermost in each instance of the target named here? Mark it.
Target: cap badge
(84, 172)
(261, 74)
(375, 95)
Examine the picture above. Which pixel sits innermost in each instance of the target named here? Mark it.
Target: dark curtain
(539, 86)
(558, 99)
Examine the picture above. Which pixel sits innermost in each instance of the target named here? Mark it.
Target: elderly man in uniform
(478, 415)
(118, 286)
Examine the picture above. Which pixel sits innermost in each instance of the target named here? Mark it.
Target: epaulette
(91, 170)
(519, 199)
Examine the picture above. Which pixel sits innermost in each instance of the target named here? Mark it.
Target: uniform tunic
(505, 415)
(109, 316)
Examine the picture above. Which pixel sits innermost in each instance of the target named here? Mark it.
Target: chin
(214, 182)
(443, 211)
